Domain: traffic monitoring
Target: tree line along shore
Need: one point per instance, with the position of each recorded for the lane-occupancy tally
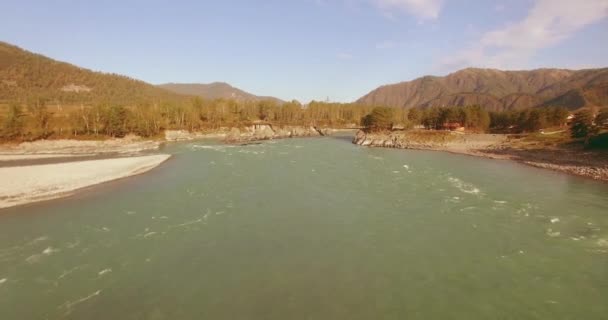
(40, 118)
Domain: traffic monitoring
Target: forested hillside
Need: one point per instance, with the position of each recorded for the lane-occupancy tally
(42, 98)
(25, 75)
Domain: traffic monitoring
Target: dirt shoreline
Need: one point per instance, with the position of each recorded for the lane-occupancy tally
(593, 165)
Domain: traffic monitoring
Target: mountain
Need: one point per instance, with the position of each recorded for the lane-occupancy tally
(498, 90)
(215, 90)
(25, 74)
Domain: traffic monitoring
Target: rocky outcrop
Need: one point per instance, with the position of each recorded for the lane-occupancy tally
(397, 140)
(267, 132)
(428, 140)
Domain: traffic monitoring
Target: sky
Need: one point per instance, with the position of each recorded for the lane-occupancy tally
(309, 49)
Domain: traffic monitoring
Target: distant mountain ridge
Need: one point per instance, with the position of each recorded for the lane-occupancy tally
(24, 74)
(215, 90)
(498, 90)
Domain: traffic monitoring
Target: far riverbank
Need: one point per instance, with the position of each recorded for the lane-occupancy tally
(589, 164)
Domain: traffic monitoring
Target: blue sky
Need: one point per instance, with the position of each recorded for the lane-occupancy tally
(309, 49)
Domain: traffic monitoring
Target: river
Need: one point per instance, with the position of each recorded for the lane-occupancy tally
(313, 229)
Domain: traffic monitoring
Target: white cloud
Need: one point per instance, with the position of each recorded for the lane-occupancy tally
(548, 23)
(423, 9)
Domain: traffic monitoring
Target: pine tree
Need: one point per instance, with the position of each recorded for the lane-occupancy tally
(582, 125)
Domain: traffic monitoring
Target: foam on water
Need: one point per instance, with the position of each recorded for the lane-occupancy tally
(104, 271)
(68, 272)
(149, 234)
(3, 280)
(407, 168)
(49, 251)
(452, 199)
(464, 186)
(34, 258)
(188, 223)
(245, 151)
(11, 251)
(525, 209)
(220, 148)
(70, 304)
(39, 239)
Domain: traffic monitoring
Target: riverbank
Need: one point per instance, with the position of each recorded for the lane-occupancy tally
(27, 184)
(47, 149)
(589, 164)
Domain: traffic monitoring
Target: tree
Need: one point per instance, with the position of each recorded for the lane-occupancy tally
(431, 118)
(380, 119)
(414, 116)
(557, 116)
(41, 115)
(12, 126)
(476, 117)
(115, 121)
(582, 125)
(536, 121)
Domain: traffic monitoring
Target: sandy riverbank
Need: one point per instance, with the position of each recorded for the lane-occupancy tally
(26, 184)
(583, 163)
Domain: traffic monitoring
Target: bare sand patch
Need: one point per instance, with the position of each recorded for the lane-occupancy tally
(26, 184)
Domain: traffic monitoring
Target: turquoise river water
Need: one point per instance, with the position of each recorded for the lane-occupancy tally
(313, 229)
